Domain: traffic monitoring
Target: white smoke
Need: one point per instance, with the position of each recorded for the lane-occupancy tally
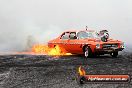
(25, 22)
(21, 40)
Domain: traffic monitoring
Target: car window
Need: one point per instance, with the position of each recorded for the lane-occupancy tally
(65, 36)
(73, 35)
(84, 34)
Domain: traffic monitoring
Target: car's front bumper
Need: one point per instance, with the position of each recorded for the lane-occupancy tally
(107, 50)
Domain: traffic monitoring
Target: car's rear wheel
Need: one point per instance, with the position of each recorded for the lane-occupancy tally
(114, 54)
(87, 52)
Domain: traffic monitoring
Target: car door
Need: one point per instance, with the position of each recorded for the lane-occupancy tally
(73, 43)
(64, 41)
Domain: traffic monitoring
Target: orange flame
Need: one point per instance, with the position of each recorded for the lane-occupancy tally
(81, 71)
(44, 49)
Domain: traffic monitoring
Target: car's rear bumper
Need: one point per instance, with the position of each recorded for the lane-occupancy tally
(108, 50)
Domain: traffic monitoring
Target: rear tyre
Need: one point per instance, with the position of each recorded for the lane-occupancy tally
(114, 54)
(87, 52)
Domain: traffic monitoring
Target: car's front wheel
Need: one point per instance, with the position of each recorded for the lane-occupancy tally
(87, 52)
(114, 54)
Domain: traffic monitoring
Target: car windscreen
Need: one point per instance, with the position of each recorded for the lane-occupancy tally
(84, 34)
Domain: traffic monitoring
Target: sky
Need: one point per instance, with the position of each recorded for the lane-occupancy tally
(27, 21)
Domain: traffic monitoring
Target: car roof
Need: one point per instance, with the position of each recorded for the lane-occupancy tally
(89, 30)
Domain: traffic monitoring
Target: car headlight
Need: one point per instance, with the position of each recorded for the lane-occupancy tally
(122, 45)
(97, 46)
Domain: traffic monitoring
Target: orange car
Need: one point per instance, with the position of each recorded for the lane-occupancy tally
(87, 42)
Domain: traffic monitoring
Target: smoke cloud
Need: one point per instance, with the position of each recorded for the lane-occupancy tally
(26, 22)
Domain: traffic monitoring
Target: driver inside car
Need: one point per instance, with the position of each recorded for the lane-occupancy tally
(73, 36)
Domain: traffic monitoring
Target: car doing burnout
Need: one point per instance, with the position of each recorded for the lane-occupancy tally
(88, 42)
